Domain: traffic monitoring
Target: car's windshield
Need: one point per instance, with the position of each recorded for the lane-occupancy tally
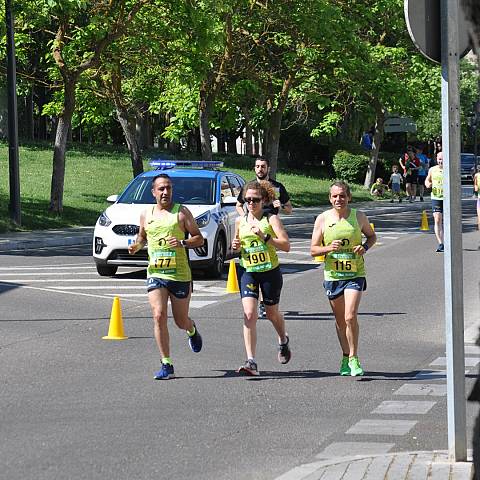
(467, 160)
(188, 191)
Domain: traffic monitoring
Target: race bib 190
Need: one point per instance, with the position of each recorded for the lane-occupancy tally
(257, 259)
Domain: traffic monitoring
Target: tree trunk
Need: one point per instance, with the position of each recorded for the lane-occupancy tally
(129, 131)
(248, 133)
(377, 141)
(232, 142)
(275, 123)
(220, 141)
(143, 129)
(61, 137)
(256, 143)
(205, 108)
(29, 120)
(274, 140)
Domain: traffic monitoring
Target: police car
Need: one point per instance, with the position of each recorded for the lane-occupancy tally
(208, 192)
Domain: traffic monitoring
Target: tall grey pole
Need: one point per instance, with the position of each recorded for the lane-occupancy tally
(453, 262)
(14, 168)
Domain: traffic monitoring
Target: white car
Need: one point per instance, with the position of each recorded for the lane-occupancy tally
(208, 192)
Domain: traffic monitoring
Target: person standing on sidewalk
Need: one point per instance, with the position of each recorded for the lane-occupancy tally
(395, 182)
(258, 236)
(164, 227)
(337, 234)
(434, 181)
(279, 204)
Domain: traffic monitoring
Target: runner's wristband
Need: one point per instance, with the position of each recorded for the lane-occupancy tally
(365, 246)
(267, 238)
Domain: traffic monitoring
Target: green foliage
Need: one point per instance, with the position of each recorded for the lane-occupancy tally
(96, 172)
(350, 167)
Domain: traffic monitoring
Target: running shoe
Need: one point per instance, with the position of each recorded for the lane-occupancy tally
(195, 341)
(250, 368)
(355, 368)
(440, 248)
(284, 352)
(165, 373)
(344, 367)
(261, 310)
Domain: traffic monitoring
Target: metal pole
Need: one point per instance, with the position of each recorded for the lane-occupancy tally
(453, 262)
(13, 160)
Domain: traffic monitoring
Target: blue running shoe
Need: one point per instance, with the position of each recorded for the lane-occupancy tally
(165, 373)
(195, 341)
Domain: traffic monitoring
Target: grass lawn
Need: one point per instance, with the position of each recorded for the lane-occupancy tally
(94, 173)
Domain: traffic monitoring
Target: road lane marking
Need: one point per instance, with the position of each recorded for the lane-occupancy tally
(415, 407)
(381, 427)
(355, 448)
(442, 362)
(422, 389)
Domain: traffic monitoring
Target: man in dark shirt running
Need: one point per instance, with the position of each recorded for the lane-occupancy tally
(281, 204)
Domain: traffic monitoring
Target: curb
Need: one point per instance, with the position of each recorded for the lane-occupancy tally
(307, 470)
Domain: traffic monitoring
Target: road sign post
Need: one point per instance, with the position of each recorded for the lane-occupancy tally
(453, 260)
(438, 29)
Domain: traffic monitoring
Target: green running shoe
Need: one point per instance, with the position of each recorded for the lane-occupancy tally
(355, 368)
(344, 367)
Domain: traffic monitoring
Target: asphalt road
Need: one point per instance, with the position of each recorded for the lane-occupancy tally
(75, 406)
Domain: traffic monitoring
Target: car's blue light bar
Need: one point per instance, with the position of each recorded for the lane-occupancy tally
(167, 164)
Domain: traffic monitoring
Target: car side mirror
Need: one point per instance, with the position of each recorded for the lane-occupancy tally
(229, 201)
(112, 198)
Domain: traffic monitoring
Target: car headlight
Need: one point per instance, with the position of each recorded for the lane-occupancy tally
(203, 220)
(103, 220)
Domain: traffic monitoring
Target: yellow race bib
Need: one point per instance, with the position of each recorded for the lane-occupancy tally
(342, 264)
(257, 259)
(163, 261)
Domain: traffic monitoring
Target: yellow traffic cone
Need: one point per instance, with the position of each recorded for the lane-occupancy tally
(424, 226)
(115, 329)
(232, 281)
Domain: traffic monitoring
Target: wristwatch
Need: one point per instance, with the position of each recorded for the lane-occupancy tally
(183, 243)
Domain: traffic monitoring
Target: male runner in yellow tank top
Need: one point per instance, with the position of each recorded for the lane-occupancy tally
(337, 234)
(434, 181)
(163, 226)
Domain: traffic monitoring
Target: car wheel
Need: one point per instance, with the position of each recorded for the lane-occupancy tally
(216, 269)
(107, 270)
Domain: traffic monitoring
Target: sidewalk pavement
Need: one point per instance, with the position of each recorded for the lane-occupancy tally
(84, 235)
(390, 466)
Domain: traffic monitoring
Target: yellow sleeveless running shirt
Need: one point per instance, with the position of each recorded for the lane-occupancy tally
(164, 261)
(437, 183)
(343, 264)
(256, 255)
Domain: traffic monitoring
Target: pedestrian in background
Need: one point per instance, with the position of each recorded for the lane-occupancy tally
(395, 182)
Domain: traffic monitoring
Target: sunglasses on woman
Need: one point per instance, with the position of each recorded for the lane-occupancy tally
(253, 199)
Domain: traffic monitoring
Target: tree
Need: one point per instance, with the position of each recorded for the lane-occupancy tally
(83, 31)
